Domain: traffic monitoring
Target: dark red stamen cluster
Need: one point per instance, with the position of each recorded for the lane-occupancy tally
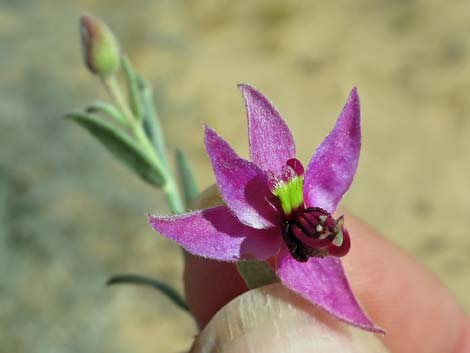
(312, 232)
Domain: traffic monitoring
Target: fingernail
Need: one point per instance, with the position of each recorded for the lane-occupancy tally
(274, 319)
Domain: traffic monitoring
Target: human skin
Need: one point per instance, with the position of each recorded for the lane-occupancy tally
(418, 312)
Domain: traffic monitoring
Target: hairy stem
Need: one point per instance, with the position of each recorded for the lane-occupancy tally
(170, 188)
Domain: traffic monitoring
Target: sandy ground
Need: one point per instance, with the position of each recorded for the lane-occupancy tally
(70, 216)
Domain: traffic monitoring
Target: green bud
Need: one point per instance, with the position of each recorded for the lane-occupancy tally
(100, 48)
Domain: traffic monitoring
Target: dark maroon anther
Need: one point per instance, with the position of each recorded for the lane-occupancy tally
(297, 250)
(296, 165)
(307, 227)
(310, 241)
(317, 215)
(312, 233)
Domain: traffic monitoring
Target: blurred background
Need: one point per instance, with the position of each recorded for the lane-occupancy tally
(71, 216)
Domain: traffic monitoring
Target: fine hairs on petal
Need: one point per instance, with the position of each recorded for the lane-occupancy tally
(331, 169)
(328, 288)
(271, 142)
(256, 222)
(217, 234)
(242, 183)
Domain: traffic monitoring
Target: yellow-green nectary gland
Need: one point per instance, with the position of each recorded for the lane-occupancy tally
(290, 194)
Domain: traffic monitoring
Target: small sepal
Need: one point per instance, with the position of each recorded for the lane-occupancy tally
(256, 273)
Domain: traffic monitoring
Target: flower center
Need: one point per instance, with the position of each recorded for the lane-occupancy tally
(314, 233)
(307, 232)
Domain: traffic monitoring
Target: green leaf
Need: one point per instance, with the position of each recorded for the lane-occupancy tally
(135, 99)
(150, 120)
(122, 146)
(164, 288)
(187, 181)
(108, 110)
(256, 273)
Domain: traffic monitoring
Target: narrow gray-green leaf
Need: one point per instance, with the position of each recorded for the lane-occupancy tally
(108, 110)
(186, 176)
(150, 120)
(122, 146)
(162, 287)
(135, 99)
(256, 273)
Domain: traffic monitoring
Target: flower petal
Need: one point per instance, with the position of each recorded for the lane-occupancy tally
(323, 282)
(271, 142)
(217, 234)
(332, 167)
(242, 184)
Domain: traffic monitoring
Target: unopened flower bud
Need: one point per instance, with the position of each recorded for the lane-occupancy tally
(100, 48)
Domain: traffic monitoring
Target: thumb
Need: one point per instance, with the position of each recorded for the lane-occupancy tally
(274, 319)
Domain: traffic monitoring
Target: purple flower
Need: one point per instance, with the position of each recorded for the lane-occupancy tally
(274, 209)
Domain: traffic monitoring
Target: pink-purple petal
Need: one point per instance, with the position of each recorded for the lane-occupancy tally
(271, 142)
(332, 167)
(323, 282)
(217, 234)
(243, 185)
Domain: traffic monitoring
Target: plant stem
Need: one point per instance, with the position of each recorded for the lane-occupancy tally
(169, 188)
(114, 91)
(173, 197)
(158, 139)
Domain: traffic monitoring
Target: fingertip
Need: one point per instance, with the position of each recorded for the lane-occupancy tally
(274, 319)
(209, 285)
(463, 346)
(401, 295)
(395, 290)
